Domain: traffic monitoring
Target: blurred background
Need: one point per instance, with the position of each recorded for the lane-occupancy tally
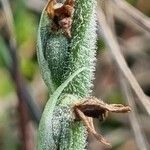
(23, 93)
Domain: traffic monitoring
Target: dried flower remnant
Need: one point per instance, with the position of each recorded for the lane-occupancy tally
(91, 108)
(61, 14)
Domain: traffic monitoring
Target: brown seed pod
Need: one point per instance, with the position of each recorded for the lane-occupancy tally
(91, 108)
(61, 14)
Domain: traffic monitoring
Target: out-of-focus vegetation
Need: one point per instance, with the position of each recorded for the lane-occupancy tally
(26, 21)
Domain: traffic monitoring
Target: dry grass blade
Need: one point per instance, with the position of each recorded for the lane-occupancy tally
(138, 134)
(114, 48)
(136, 16)
(9, 21)
(127, 93)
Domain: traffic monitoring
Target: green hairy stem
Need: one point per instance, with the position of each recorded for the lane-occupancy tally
(46, 139)
(67, 67)
(82, 47)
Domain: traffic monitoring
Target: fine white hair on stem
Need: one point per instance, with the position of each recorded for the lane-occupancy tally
(114, 48)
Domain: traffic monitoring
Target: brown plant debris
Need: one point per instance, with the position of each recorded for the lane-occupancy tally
(61, 14)
(91, 108)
